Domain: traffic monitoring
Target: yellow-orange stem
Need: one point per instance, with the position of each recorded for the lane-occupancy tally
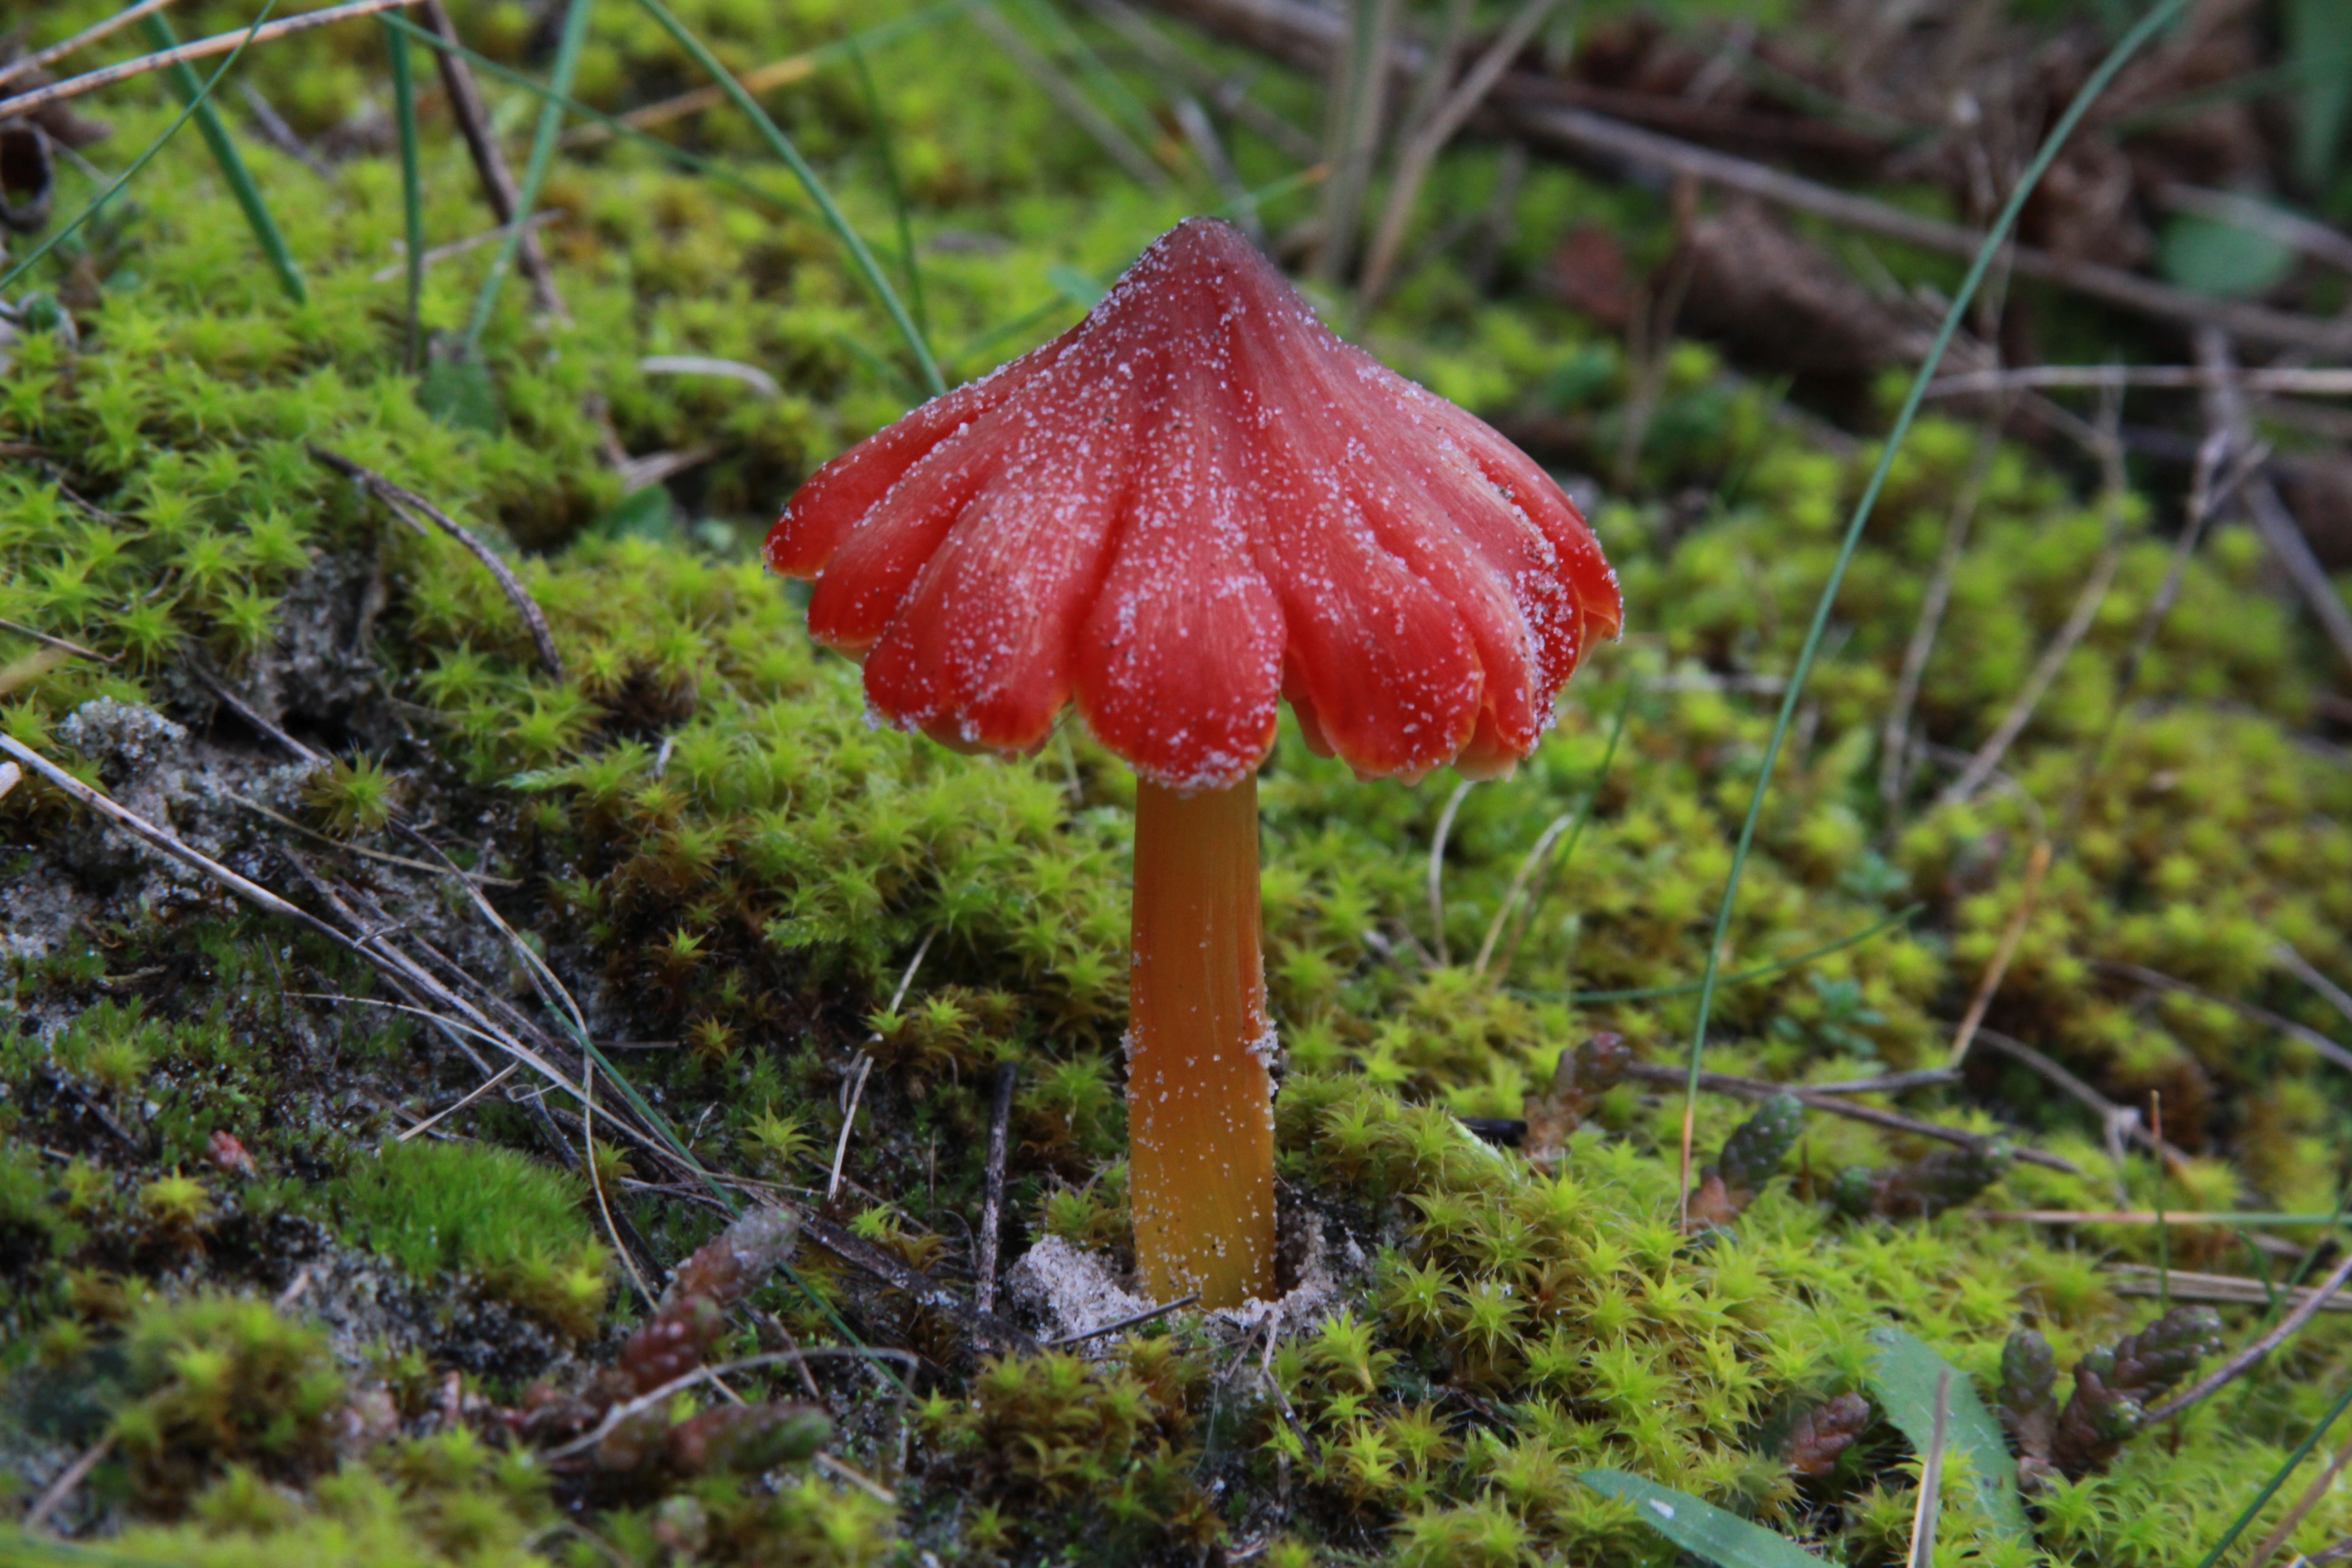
(1200, 1100)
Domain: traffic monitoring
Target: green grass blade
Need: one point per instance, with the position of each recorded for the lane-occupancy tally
(2128, 46)
(715, 173)
(266, 231)
(909, 263)
(146, 156)
(2279, 1478)
(412, 194)
(782, 144)
(542, 154)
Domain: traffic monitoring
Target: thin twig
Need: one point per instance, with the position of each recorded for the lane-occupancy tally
(40, 97)
(2227, 1289)
(169, 844)
(2214, 1380)
(2310, 1037)
(380, 856)
(460, 247)
(473, 118)
(1147, 1315)
(913, 1283)
(2107, 1110)
(1437, 869)
(1420, 154)
(81, 40)
(2304, 971)
(1931, 1478)
(991, 1202)
(409, 506)
(60, 643)
(2282, 379)
(1816, 1100)
(60, 1490)
(1893, 737)
(253, 716)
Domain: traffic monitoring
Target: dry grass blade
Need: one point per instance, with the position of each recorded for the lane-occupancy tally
(1931, 1478)
(409, 507)
(2037, 865)
(2114, 489)
(1071, 98)
(1437, 869)
(1358, 96)
(26, 103)
(653, 1399)
(60, 1490)
(1419, 155)
(2310, 1037)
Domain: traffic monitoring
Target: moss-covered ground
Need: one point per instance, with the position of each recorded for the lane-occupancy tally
(288, 1321)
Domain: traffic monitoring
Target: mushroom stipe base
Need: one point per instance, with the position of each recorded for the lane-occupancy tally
(1200, 1097)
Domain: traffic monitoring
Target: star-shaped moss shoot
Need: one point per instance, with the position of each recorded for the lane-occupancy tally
(1194, 504)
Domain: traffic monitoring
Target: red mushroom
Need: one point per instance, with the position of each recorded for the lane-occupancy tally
(1195, 503)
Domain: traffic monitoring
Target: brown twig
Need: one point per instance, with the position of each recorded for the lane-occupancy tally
(2224, 1289)
(991, 1202)
(2308, 973)
(1527, 105)
(62, 1489)
(473, 118)
(2107, 1110)
(1814, 1099)
(2214, 1380)
(81, 40)
(40, 97)
(2182, 377)
(408, 505)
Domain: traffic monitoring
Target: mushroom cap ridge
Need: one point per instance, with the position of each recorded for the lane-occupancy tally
(1193, 502)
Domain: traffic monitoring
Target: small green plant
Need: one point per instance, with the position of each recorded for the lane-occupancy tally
(351, 795)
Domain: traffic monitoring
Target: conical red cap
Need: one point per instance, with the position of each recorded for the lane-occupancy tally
(1196, 500)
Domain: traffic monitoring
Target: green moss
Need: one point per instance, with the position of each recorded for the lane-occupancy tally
(514, 1226)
